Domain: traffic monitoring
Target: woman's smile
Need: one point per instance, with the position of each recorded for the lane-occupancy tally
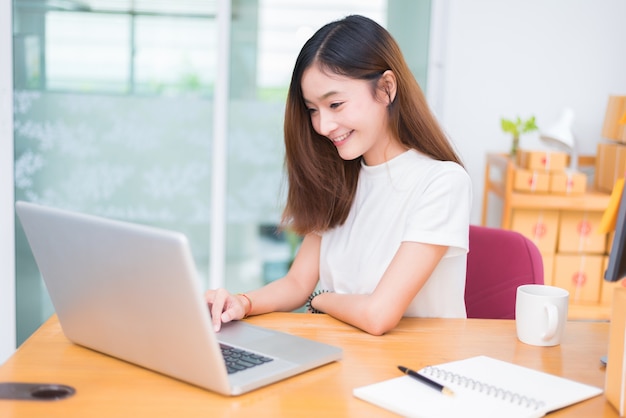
(341, 139)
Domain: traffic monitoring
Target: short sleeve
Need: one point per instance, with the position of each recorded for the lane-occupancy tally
(440, 208)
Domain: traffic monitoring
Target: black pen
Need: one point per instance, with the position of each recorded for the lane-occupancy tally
(425, 380)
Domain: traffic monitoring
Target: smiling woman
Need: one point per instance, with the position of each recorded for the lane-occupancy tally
(374, 186)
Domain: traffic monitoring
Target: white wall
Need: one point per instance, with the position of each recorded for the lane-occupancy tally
(527, 57)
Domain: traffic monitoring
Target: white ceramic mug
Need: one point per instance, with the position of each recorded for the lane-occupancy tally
(541, 314)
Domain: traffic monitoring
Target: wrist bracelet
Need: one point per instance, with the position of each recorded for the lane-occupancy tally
(309, 306)
(247, 311)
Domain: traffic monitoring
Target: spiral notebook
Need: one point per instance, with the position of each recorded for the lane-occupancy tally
(483, 387)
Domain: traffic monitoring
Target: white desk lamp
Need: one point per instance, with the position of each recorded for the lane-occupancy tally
(560, 135)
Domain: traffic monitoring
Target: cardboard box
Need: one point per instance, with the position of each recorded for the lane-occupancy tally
(531, 181)
(542, 160)
(607, 288)
(580, 274)
(568, 182)
(548, 268)
(610, 165)
(615, 110)
(540, 226)
(615, 386)
(578, 233)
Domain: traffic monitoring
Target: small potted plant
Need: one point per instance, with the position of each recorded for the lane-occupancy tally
(517, 127)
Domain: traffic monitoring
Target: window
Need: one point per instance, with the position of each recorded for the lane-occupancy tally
(121, 47)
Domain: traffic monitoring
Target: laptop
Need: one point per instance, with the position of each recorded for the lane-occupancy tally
(132, 292)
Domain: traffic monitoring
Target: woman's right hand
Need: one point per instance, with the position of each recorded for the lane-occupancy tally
(226, 307)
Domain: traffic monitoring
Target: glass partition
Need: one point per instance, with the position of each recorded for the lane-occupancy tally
(113, 116)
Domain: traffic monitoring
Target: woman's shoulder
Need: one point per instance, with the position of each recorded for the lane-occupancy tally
(437, 175)
(422, 161)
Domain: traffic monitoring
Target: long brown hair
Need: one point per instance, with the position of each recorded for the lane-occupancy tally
(321, 184)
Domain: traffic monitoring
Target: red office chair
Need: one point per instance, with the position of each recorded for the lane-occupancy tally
(498, 262)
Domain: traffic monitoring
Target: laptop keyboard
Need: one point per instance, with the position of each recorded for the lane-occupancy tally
(237, 359)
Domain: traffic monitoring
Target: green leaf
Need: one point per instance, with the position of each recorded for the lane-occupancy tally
(508, 126)
(518, 126)
(530, 125)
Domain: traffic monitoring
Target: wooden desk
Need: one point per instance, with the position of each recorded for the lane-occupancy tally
(106, 387)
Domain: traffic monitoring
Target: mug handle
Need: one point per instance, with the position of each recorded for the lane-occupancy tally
(553, 321)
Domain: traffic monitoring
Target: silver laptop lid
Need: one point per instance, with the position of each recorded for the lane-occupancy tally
(110, 284)
(132, 292)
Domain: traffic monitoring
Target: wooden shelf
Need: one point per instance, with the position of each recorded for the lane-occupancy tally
(502, 187)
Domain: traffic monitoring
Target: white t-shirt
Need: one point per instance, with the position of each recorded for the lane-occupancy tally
(409, 198)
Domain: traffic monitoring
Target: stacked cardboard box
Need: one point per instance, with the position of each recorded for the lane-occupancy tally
(541, 227)
(610, 165)
(611, 158)
(614, 128)
(580, 257)
(546, 172)
(573, 250)
(606, 294)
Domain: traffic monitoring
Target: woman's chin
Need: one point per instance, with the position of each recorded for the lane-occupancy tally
(349, 156)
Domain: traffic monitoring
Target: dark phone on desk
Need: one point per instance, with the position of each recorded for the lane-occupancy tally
(35, 391)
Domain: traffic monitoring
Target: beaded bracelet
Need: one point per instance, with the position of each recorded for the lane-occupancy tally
(309, 306)
(245, 315)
